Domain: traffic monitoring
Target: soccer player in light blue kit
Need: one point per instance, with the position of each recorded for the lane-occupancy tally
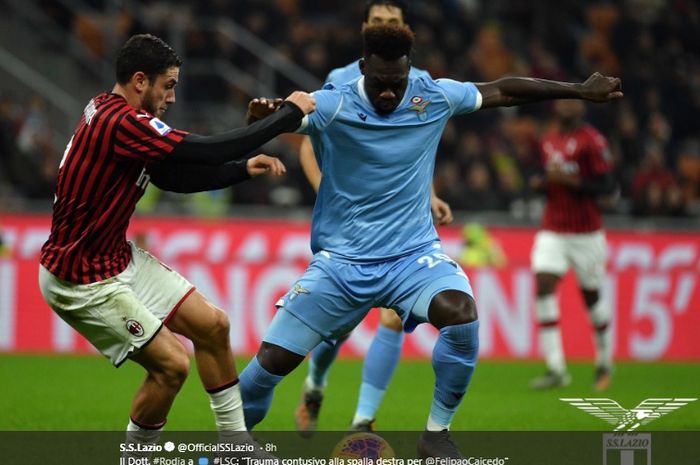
(385, 350)
(372, 235)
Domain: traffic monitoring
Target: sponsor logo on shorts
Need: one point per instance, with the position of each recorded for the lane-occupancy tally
(134, 327)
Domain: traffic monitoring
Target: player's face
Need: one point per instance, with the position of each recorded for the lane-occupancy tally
(385, 14)
(160, 93)
(385, 81)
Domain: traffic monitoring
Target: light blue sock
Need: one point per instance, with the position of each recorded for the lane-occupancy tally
(257, 387)
(454, 359)
(380, 363)
(322, 357)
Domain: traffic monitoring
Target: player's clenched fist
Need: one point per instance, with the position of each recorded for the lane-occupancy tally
(262, 164)
(599, 88)
(303, 100)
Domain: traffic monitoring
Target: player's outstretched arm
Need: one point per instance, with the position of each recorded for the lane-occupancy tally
(187, 178)
(229, 146)
(510, 91)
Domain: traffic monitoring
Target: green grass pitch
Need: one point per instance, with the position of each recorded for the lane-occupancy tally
(87, 393)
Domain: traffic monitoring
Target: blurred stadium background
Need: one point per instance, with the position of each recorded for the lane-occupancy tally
(244, 246)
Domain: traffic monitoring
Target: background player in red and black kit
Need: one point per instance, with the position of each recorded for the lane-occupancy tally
(577, 172)
(124, 301)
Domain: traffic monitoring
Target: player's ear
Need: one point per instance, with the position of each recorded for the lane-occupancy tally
(362, 65)
(140, 80)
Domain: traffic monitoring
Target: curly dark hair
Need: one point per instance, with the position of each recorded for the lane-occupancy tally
(400, 4)
(388, 42)
(146, 53)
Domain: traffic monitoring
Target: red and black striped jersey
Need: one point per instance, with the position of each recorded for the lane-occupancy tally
(101, 177)
(583, 151)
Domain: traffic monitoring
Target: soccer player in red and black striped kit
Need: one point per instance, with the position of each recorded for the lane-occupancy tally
(577, 173)
(124, 301)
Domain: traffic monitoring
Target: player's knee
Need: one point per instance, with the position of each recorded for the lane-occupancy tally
(389, 319)
(278, 360)
(449, 308)
(220, 326)
(212, 330)
(174, 373)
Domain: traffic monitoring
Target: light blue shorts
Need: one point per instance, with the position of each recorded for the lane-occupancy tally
(333, 296)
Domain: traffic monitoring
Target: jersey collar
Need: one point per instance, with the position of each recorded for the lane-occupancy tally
(363, 94)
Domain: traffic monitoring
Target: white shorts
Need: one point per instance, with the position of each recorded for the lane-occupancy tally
(122, 314)
(555, 253)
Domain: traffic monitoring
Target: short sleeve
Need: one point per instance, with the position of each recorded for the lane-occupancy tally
(599, 154)
(145, 137)
(462, 97)
(328, 103)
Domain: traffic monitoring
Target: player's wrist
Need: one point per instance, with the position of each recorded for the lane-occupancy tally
(292, 107)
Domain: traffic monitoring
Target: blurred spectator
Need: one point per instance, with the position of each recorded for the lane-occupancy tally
(655, 190)
(689, 170)
(484, 158)
(33, 162)
(480, 248)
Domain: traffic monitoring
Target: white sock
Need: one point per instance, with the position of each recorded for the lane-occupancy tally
(228, 409)
(601, 319)
(135, 434)
(550, 335)
(435, 426)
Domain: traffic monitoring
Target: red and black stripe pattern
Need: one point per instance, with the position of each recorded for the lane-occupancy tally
(101, 177)
(583, 151)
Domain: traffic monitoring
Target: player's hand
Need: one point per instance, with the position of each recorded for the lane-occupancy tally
(557, 176)
(264, 164)
(442, 213)
(306, 102)
(259, 108)
(599, 88)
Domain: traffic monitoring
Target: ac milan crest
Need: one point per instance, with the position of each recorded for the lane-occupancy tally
(134, 327)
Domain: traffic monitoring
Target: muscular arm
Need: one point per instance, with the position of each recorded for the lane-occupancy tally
(228, 146)
(307, 158)
(187, 177)
(510, 91)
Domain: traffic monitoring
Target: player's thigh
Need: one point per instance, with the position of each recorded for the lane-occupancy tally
(423, 276)
(198, 319)
(291, 333)
(588, 253)
(327, 299)
(164, 353)
(107, 313)
(549, 254)
(161, 289)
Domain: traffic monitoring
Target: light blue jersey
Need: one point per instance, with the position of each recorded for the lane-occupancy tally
(351, 72)
(373, 204)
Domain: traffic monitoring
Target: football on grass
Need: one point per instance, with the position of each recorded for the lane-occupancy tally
(359, 445)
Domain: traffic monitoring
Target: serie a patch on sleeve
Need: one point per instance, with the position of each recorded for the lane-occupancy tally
(160, 127)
